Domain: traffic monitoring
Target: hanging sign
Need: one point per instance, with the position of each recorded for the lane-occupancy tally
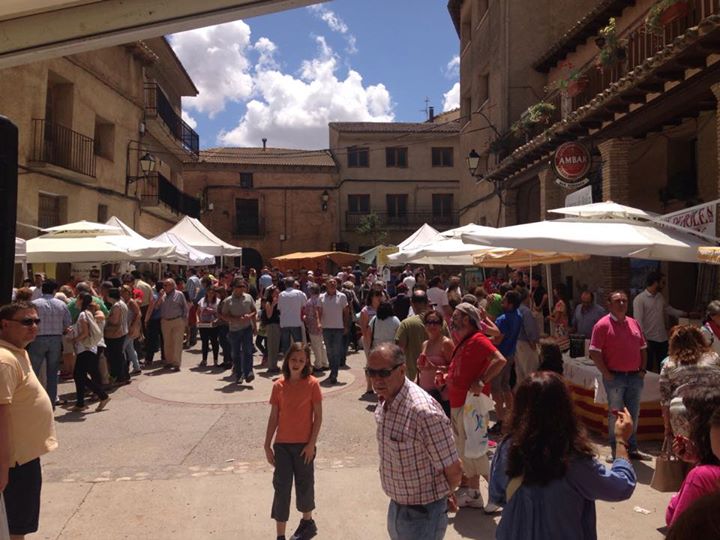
(571, 163)
(699, 218)
(579, 197)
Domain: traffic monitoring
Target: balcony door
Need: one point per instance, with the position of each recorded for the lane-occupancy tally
(397, 206)
(442, 208)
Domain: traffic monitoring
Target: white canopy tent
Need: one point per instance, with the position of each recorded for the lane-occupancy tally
(422, 236)
(92, 242)
(195, 234)
(184, 254)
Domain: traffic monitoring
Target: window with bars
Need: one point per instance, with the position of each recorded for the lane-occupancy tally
(49, 211)
(246, 180)
(358, 156)
(396, 156)
(247, 217)
(442, 156)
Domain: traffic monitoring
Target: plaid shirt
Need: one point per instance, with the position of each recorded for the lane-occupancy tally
(416, 443)
(54, 315)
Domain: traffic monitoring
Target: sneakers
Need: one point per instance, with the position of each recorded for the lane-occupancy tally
(306, 530)
(469, 498)
(491, 508)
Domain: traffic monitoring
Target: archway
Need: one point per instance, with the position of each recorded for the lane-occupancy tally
(251, 258)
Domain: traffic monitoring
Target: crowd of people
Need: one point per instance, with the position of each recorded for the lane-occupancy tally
(429, 347)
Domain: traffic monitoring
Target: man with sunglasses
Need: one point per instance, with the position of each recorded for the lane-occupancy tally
(419, 464)
(27, 428)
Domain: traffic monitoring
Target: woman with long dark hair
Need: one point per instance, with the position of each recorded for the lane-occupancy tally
(552, 479)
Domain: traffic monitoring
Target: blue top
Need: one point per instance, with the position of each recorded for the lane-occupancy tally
(585, 320)
(529, 330)
(509, 324)
(564, 509)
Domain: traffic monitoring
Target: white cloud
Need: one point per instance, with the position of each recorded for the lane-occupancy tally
(336, 24)
(189, 120)
(293, 111)
(451, 98)
(216, 58)
(452, 69)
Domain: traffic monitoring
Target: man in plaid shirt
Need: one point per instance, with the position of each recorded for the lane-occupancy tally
(419, 463)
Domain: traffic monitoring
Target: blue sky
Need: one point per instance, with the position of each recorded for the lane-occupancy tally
(285, 76)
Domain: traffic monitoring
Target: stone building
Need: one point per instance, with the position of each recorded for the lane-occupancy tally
(84, 123)
(638, 91)
(406, 174)
(271, 201)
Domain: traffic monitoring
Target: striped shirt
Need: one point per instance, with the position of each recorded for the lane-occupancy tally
(53, 314)
(416, 443)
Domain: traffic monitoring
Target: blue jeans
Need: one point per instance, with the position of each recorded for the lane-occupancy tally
(624, 391)
(335, 346)
(426, 521)
(131, 353)
(46, 350)
(294, 332)
(241, 345)
(224, 340)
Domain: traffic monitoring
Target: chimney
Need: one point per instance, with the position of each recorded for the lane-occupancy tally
(431, 114)
(264, 140)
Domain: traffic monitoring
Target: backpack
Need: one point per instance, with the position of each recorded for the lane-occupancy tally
(95, 335)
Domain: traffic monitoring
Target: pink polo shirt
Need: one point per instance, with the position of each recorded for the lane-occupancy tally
(620, 343)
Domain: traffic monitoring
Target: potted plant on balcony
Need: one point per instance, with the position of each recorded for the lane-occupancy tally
(664, 12)
(535, 116)
(571, 85)
(612, 49)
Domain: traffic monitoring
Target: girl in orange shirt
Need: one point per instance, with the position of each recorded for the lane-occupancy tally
(294, 422)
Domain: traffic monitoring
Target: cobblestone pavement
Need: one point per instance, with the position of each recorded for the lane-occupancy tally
(179, 455)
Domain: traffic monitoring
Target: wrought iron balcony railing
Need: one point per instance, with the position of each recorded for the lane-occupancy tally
(61, 146)
(157, 104)
(407, 220)
(157, 189)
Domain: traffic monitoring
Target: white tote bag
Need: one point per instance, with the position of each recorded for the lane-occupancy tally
(4, 531)
(476, 414)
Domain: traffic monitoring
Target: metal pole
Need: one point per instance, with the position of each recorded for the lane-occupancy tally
(8, 205)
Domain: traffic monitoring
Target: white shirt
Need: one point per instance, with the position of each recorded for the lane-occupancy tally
(290, 304)
(650, 310)
(332, 307)
(409, 282)
(36, 293)
(437, 297)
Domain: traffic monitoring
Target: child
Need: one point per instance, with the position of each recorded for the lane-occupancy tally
(295, 420)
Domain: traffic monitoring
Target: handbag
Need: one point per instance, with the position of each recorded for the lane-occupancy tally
(670, 470)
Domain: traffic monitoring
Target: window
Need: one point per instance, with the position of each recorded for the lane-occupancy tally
(104, 138)
(359, 204)
(397, 208)
(442, 156)
(442, 205)
(50, 210)
(396, 156)
(246, 180)
(247, 217)
(102, 214)
(358, 157)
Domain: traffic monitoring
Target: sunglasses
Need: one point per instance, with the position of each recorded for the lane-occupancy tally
(28, 321)
(380, 373)
(433, 323)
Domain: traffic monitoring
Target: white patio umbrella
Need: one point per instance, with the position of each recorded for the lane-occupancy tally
(603, 237)
(605, 210)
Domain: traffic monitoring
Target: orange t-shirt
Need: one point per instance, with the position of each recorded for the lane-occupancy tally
(295, 402)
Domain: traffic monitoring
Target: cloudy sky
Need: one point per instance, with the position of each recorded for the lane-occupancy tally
(285, 76)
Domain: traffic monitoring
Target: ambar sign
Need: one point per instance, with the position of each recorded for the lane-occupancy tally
(572, 161)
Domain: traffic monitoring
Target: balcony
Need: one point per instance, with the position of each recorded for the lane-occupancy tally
(640, 44)
(158, 105)
(157, 191)
(60, 146)
(408, 220)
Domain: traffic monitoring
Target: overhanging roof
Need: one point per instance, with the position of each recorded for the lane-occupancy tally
(33, 30)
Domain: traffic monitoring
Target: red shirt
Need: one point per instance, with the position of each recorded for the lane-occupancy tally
(469, 362)
(620, 343)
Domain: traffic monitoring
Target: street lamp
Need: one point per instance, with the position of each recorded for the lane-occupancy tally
(325, 197)
(148, 163)
(473, 161)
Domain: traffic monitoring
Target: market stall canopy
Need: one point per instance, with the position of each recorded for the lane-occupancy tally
(310, 259)
(166, 251)
(369, 256)
(422, 236)
(86, 241)
(445, 248)
(195, 234)
(185, 254)
(603, 237)
(502, 257)
(20, 251)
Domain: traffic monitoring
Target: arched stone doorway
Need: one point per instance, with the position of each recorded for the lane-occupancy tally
(251, 258)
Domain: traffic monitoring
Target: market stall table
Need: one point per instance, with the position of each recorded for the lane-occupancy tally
(588, 394)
